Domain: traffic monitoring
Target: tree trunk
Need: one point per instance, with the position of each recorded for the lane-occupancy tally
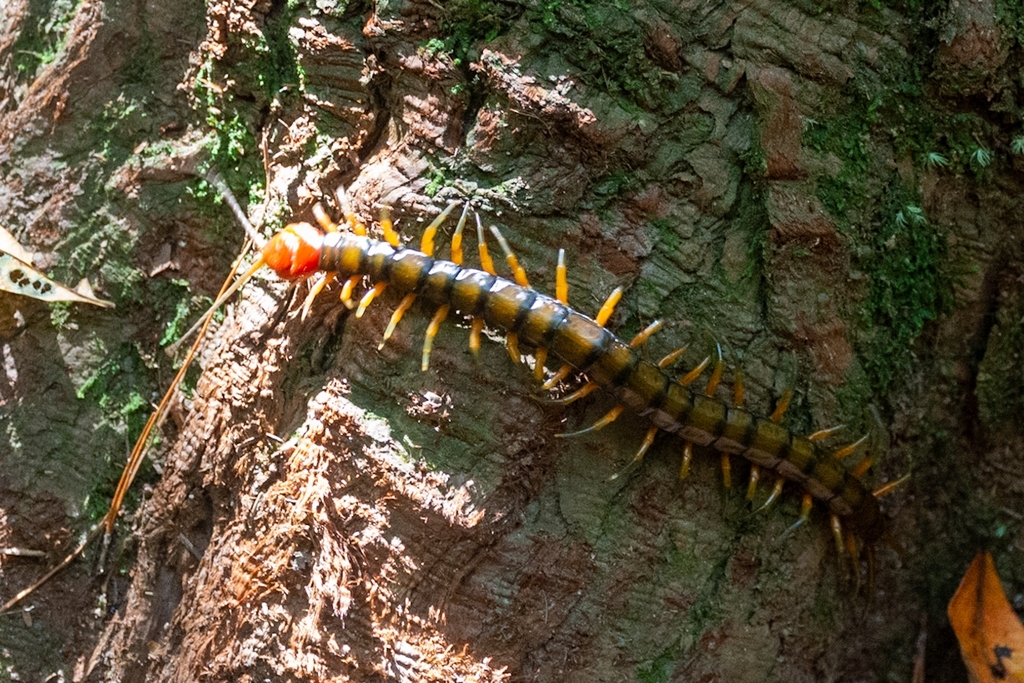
(829, 192)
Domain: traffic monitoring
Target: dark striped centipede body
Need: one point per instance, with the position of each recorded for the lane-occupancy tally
(544, 322)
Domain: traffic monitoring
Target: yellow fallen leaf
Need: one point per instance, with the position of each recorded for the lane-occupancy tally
(990, 634)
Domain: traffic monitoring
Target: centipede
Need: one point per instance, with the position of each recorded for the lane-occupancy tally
(573, 343)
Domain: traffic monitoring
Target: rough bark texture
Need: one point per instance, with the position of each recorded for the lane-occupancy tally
(830, 190)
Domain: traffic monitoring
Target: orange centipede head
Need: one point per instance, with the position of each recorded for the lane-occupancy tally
(294, 252)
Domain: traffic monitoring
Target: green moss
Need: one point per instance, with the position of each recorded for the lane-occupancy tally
(846, 136)
(660, 669)
(602, 39)
(41, 36)
(909, 285)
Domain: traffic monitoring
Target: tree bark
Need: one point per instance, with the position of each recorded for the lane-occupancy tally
(829, 192)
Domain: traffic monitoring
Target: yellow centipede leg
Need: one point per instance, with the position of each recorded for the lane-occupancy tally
(862, 467)
(540, 358)
(457, 236)
(726, 470)
(553, 381)
(782, 406)
(315, 290)
(690, 377)
(475, 328)
(486, 262)
(824, 433)
(586, 390)
(605, 314)
(709, 390)
(427, 241)
(886, 489)
(608, 418)
(517, 270)
(648, 440)
(673, 357)
(323, 219)
(755, 476)
(428, 339)
(561, 279)
(390, 236)
(562, 295)
(806, 503)
(396, 317)
(684, 466)
(850, 449)
(369, 297)
(348, 288)
(512, 344)
(775, 493)
(646, 334)
(837, 534)
(346, 210)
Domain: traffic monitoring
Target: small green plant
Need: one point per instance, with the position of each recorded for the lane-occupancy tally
(935, 160)
(1017, 145)
(981, 157)
(910, 215)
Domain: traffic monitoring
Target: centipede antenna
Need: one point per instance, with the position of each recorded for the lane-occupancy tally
(638, 458)
(646, 334)
(774, 495)
(806, 503)
(346, 210)
(215, 179)
(886, 489)
(131, 468)
(825, 433)
(348, 288)
(457, 236)
(368, 298)
(427, 241)
(684, 466)
(672, 357)
(540, 357)
(323, 219)
(314, 290)
(608, 307)
(561, 279)
(518, 272)
(428, 339)
(390, 236)
(486, 262)
(172, 349)
(396, 317)
(475, 328)
(608, 418)
(584, 391)
(850, 449)
(782, 406)
(689, 378)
